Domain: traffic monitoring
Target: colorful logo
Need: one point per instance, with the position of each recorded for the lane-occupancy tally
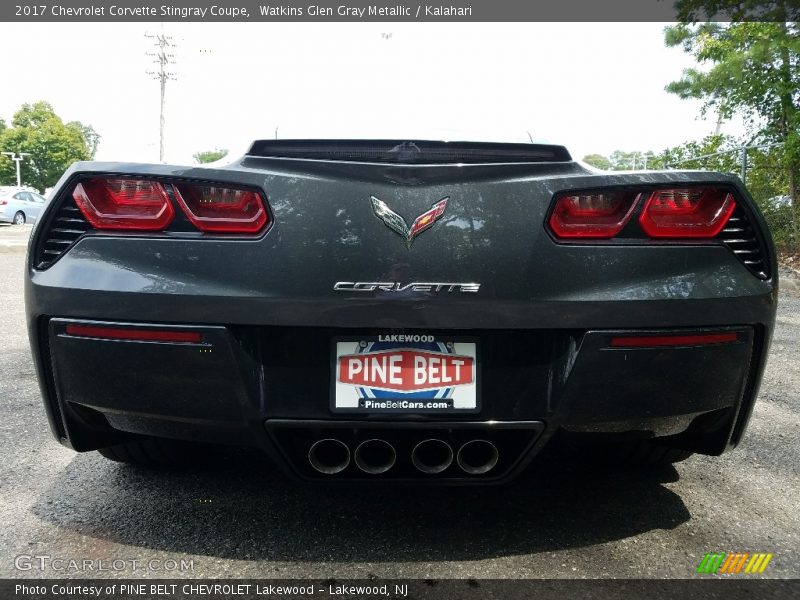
(398, 224)
(734, 562)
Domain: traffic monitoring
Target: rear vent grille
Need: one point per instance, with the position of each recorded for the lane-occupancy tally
(410, 152)
(63, 231)
(743, 241)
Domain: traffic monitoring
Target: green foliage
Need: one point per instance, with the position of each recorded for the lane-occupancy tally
(766, 173)
(748, 68)
(598, 161)
(712, 153)
(209, 155)
(7, 168)
(780, 220)
(53, 145)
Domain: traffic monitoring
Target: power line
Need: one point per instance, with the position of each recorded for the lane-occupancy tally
(742, 150)
(164, 59)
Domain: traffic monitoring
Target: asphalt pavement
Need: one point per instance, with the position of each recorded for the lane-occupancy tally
(239, 517)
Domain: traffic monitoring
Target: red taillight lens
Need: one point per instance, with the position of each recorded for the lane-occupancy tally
(221, 209)
(135, 335)
(592, 215)
(133, 204)
(686, 212)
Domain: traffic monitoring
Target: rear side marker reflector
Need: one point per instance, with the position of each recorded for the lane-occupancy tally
(124, 204)
(700, 339)
(143, 335)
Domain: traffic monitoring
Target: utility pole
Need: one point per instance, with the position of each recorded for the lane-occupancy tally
(17, 158)
(163, 58)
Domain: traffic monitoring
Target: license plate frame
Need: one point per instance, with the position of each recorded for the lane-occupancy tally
(463, 398)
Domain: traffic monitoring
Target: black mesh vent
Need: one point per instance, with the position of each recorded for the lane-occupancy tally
(409, 152)
(743, 241)
(63, 230)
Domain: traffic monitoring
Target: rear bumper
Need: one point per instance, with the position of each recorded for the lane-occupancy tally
(269, 387)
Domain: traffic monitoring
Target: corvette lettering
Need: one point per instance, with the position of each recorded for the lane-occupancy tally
(389, 286)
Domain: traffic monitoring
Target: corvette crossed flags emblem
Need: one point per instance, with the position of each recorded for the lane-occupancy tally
(397, 224)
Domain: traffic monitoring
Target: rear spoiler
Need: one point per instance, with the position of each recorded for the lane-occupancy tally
(409, 152)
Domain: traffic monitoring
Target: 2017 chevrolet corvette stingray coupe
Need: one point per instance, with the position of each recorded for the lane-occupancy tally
(398, 310)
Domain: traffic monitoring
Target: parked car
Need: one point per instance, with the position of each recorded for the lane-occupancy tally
(371, 310)
(20, 206)
(779, 201)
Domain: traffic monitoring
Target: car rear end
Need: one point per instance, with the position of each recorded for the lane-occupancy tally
(493, 297)
(7, 205)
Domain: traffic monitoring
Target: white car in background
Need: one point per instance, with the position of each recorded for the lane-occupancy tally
(20, 206)
(778, 201)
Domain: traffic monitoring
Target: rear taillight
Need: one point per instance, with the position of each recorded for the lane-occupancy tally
(686, 212)
(129, 204)
(145, 205)
(221, 209)
(669, 213)
(592, 215)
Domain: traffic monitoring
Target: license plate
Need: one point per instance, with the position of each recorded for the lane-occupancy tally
(405, 374)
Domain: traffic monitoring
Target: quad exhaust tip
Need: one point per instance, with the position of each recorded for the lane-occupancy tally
(477, 457)
(432, 456)
(375, 456)
(329, 456)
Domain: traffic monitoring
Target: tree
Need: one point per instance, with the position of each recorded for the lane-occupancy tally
(91, 137)
(209, 155)
(712, 153)
(598, 161)
(621, 160)
(751, 68)
(52, 145)
(6, 165)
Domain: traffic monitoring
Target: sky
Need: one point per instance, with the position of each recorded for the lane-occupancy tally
(593, 87)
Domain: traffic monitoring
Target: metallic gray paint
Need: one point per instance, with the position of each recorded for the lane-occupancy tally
(325, 231)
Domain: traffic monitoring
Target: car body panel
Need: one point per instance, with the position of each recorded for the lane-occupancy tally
(269, 307)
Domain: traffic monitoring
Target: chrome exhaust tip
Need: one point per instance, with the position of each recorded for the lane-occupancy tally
(432, 456)
(477, 457)
(329, 456)
(375, 456)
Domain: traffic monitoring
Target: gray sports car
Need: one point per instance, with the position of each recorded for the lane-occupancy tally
(404, 311)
